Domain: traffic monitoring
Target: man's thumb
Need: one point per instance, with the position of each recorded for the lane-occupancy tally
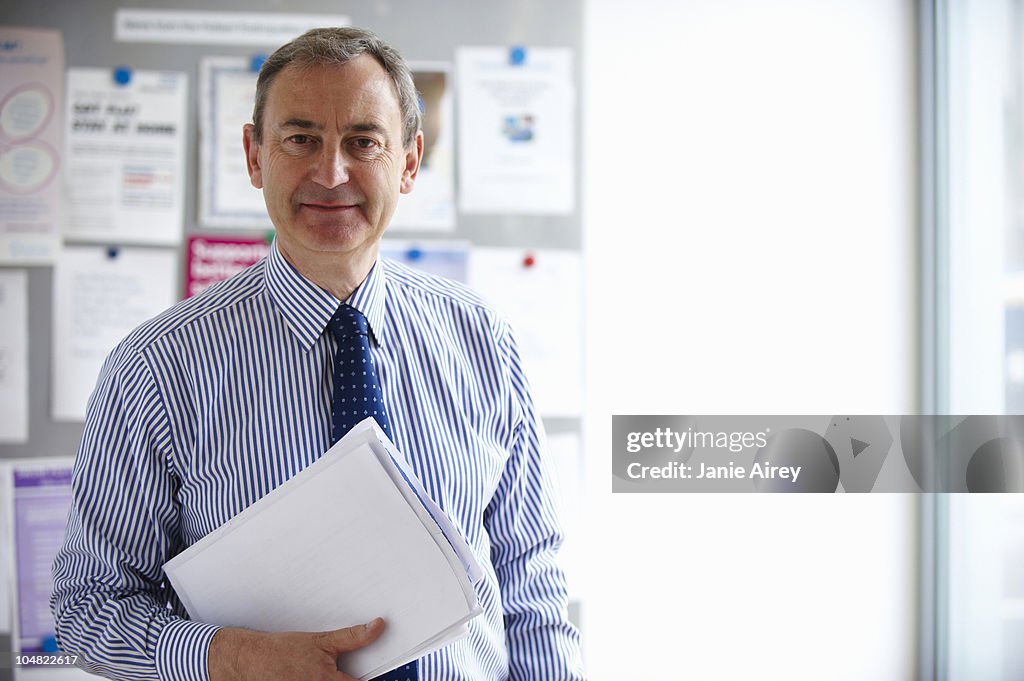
(353, 638)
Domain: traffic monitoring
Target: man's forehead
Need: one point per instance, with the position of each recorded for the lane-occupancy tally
(356, 77)
(360, 86)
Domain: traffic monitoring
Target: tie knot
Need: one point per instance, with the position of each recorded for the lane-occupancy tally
(347, 322)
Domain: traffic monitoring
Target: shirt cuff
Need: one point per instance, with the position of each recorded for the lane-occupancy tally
(182, 651)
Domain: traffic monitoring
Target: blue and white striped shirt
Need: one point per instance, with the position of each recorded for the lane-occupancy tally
(211, 405)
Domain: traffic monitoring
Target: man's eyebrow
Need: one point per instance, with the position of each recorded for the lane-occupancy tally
(366, 127)
(304, 124)
(301, 123)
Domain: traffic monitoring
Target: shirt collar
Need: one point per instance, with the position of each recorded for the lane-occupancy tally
(369, 298)
(307, 308)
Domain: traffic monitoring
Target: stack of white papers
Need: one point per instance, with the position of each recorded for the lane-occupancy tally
(350, 538)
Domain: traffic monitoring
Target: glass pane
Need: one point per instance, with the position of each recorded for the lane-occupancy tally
(984, 56)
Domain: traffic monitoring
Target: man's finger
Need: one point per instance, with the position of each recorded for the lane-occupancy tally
(350, 638)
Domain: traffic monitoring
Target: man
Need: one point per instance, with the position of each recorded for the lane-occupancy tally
(208, 407)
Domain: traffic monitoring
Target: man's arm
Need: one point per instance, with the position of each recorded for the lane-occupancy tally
(110, 597)
(525, 538)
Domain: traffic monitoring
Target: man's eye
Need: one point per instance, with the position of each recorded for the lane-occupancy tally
(299, 139)
(365, 143)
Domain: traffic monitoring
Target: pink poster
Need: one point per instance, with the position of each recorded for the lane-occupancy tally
(213, 259)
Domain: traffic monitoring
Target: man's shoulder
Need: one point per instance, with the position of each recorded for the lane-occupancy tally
(439, 302)
(222, 298)
(417, 284)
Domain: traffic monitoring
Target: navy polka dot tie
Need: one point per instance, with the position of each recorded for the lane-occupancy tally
(357, 395)
(357, 392)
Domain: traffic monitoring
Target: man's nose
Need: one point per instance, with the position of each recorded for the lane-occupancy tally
(331, 168)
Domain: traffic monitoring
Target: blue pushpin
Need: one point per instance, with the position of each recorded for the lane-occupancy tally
(122, 75)
(49, 644)
(256, 62)
(517, 55)
(414, 254)
(113, 252)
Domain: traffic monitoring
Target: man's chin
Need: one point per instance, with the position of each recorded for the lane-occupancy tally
(341, 239)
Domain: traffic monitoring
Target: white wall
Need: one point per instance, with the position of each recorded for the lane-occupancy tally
(749, 218)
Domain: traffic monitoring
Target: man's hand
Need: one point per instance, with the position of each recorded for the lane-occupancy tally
(244, 655)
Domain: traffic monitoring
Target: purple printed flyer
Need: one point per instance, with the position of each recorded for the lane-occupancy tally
(41, 495)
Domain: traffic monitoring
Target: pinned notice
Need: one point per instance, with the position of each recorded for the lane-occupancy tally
(31, 94)
(216, 28)
(227, 88)
(516, 132)
(99, 297)
(125, 155)
(213, 259)
(14, 356)
(431, 203)
(540, 293)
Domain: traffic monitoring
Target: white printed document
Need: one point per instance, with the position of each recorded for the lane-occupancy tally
(13, 358)
(125, 156)
(350, 538)
(516, 130)
(444, 258)
(431, 203)
(99, 296)
(540, 293)
(31, 97)
(227, 88)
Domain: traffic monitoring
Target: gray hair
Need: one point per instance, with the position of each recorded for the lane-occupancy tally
(324, 46)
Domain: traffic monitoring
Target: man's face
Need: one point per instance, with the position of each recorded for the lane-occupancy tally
(331, 162)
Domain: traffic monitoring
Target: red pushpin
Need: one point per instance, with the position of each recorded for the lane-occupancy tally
(529, 260)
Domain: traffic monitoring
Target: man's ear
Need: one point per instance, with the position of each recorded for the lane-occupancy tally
(413, 157)
(252, 155)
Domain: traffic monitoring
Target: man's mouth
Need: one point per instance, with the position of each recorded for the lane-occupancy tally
(329, 208)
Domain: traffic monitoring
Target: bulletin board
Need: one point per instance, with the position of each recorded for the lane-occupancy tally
(499, 239)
